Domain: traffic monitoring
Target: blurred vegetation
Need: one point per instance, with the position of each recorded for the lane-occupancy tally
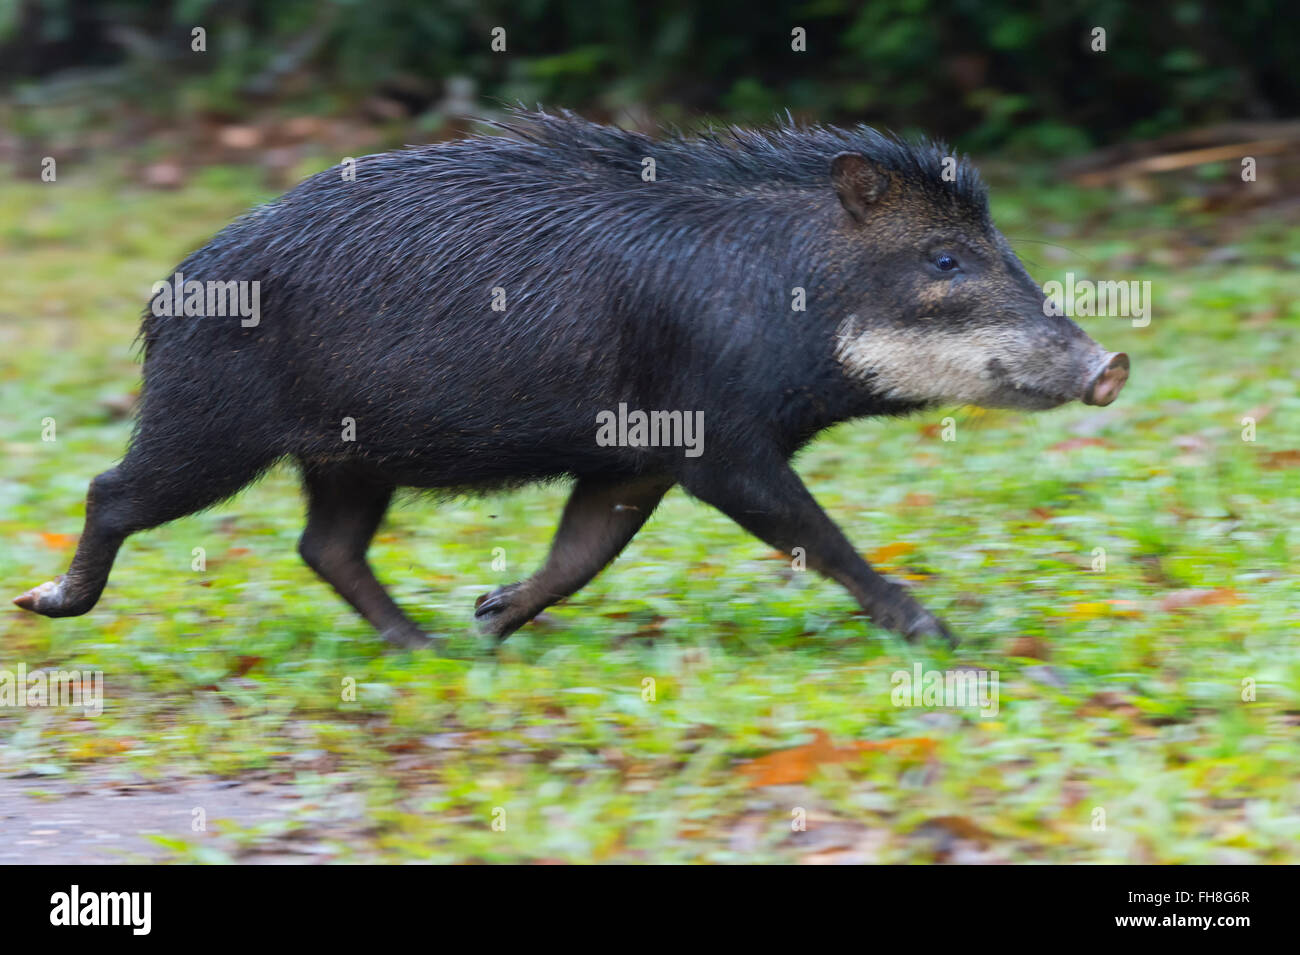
(992, 73)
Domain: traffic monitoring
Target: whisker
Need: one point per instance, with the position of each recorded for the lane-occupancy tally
(1056, 245)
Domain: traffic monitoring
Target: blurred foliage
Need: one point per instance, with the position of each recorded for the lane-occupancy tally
(989, 72)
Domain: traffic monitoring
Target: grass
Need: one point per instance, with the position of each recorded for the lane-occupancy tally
(1121, 689)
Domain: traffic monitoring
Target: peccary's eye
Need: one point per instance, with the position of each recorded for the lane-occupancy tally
(945, 262)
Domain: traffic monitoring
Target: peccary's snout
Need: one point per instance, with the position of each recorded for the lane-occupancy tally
(1107, 380)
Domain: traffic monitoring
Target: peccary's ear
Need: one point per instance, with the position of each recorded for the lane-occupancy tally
(858, 182)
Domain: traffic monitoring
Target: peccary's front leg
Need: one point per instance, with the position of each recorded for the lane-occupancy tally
(763, 494)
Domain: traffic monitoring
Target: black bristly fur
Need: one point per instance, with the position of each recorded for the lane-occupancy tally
(671, 294)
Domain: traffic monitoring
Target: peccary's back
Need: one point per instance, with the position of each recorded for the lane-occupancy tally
(377, 298)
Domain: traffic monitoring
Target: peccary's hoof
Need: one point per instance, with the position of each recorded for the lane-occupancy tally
(928, 626)
(410, 638)
(48, 599)
(494, 602)
(495, 614)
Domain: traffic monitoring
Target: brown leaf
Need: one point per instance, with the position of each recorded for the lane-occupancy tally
(1181, 599)
(58, 541)
(245, 663)
(958, 826)
(796, 765)
(1030, 647)
(883, 555)
(1276, 460)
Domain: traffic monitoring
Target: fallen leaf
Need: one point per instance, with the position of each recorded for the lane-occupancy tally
(58, 541)
(1030, 647)
(883, 555)
(790, 766)
(1181, 599)
(1276, 460)
(958, 826)
(245, 663)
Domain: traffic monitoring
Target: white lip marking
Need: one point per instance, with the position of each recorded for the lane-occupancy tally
(910, 364)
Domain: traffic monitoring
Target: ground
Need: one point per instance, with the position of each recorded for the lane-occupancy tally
(1128, 573)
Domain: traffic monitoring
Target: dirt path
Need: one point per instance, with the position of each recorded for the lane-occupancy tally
(103, 823)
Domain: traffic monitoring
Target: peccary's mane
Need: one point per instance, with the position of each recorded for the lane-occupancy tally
(732, 157)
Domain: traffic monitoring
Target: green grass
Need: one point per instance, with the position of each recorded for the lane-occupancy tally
(1137, 709)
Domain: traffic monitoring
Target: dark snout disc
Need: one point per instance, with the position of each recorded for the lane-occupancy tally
(1106, 384)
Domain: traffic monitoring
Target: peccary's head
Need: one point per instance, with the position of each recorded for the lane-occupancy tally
(942, 310)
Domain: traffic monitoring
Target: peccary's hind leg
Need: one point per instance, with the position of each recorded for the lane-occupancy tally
(78, 590)
(343, 511)
(152, 485)
(599, 519)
